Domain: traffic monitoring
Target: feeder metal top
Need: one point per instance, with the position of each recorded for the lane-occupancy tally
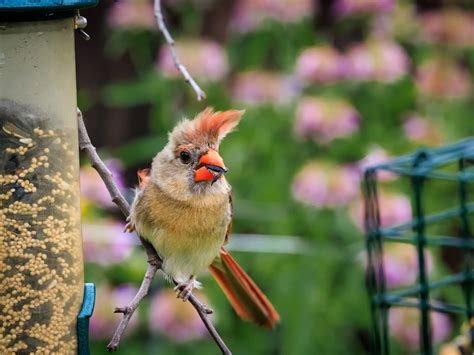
(42, 6)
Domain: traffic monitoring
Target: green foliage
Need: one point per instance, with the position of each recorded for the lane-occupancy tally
(321, 295)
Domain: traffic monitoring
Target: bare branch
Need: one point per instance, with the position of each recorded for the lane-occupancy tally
(182, 69)
(132, 306)
(154, 261)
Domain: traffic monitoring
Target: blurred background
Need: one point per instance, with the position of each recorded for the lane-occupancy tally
(329, 87)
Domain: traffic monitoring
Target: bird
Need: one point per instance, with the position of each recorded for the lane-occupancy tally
(183, 207)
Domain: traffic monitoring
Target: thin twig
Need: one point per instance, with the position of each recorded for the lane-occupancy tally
(154, 261)
(132, 306)
(184, 72)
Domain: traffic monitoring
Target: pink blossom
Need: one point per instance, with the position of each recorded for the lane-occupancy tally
(401, 23)
(92, 186)
(377, 59)
(401, 264)
(375, 156)
(319, 65)
(175, 319)
(440, 77)
(106, 242)
(104, 320)
(404, 324)
(324, 120)
(256, 87)
(205, 60)
(394, 209)
(249, 14)
(422, 131)
(322, 184)
(450, 26)
(352, 7)
(131, 14)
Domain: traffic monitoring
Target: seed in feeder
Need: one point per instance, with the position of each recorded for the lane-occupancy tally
(39, 249)
(26, 140)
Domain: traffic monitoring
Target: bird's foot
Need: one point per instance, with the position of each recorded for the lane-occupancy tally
(129, 227)
(185, 288)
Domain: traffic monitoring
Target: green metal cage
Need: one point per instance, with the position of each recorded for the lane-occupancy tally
(441, 177)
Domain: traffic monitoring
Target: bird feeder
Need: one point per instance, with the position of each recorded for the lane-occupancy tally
(43, 305)
(441, 183)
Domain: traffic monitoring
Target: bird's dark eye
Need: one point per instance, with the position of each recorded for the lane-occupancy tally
(185, 156)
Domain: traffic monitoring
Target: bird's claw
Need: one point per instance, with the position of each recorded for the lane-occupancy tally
(129, 227)
(185, 289)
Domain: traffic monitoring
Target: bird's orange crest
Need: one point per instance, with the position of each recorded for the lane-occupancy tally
(216, 125)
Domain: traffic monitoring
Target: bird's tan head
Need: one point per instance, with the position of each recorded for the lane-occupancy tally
(190, 163)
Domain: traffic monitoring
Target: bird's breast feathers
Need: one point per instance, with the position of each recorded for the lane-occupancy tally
(188, 236)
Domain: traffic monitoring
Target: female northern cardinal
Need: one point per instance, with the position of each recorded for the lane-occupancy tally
(183, 208)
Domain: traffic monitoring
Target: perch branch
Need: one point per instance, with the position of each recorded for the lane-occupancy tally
(170, 41)
(132, 306)
(154, 261)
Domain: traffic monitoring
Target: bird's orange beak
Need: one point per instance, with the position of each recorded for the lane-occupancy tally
(210, 168)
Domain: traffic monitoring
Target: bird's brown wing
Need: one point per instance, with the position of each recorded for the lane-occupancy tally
(229, 227)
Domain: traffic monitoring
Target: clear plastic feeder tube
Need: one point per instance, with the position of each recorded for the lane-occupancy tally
(41, 266)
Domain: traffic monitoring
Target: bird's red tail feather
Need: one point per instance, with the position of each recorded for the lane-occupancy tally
(246, 298)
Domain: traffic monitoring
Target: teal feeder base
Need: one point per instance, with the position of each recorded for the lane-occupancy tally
(83, 319)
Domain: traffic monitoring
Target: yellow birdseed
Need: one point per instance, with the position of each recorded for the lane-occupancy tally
(41, 267)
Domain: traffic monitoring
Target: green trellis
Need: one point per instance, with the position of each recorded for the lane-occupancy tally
(453, 164)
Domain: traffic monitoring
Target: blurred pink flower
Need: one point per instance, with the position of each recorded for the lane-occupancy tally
(401, 264)
(104, 320)
(394, 209)
(375, 156)
(402, 23)
(422, 131)
(249, 14)
(92, 186)
(448, 27)
(351, 7)
(319, 65)
(404, 324)
(377, 59)
(175, 319)
(206, 60)
(106, 242)
(256, 87)
(325, 119)
(322, 184)
(443, 78)
(131, 14)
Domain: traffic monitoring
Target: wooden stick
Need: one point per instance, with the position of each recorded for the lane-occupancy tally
(170, 41)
